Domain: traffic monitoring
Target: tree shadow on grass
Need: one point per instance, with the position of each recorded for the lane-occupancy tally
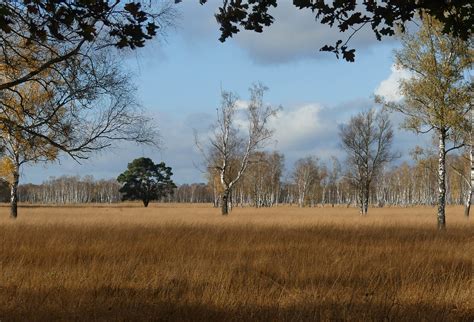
(118, 304)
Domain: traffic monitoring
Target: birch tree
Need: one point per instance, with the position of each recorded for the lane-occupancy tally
(20, 147)
(260, 185)
(334, 184)
(70, 189)
(305, 175)
(230, 147)
(437, 98)
(367, 140)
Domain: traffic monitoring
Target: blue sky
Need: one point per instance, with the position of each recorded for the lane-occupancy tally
(179, 81)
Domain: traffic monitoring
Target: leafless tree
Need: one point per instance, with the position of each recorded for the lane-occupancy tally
(230, 147)
(66, 50)
(305, 175)
(88, 105)
(334, 175)
(82, 108)
(367, 140)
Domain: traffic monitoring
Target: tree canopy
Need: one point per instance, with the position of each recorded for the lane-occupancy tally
(367, 139)
(81, 105)
(229, 152)
(126, 22)
(62, 30)
(19, 146)
(383, 17)
(438, 95)
(146, 181)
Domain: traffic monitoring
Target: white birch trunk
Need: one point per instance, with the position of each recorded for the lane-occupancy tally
(14, 193)
(442, 181)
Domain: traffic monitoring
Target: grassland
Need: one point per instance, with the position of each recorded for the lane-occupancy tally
(181, 263)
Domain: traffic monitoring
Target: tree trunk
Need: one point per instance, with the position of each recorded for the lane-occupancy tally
(216, 196)
(366, 198)
(225, 202)
(361, 200)
(469, 199)
(146, 202)
(366, 202)
(442, 181)
(467, 206)
(14, 194)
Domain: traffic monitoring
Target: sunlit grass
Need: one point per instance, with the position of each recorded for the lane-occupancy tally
(186, 262)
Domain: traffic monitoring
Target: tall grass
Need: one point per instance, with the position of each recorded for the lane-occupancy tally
(186, 263)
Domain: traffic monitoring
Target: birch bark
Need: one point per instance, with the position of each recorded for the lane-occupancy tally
(442, 180)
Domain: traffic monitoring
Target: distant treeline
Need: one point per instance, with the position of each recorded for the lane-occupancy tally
(76, 189)
(71, 189)
(310, 183)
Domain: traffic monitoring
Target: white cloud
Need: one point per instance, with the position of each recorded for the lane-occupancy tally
(293, 127)
(241, 104)
(390, 88)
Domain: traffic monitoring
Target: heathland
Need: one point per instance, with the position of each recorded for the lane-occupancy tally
(187, 262)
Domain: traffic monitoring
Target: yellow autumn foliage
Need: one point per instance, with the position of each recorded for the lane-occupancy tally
(27, 105)
(7, 168)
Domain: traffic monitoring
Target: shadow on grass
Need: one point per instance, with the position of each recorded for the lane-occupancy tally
(131, 304)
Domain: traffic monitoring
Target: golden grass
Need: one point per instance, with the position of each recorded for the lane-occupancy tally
(186, 262)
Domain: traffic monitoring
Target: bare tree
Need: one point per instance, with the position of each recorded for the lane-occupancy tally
(367, 140)
(334, 181)
(305, 175)
(229, 151)
(82, 108)
(64, 50)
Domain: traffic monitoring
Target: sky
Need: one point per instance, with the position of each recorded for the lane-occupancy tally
(179, 79)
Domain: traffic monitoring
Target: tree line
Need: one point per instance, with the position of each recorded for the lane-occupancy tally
(310, 182)
(86, 189)
(70, 190)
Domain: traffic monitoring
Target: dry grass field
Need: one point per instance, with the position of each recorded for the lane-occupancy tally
(186, 262)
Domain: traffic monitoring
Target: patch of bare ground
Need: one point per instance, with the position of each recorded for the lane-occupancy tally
(186, 262)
